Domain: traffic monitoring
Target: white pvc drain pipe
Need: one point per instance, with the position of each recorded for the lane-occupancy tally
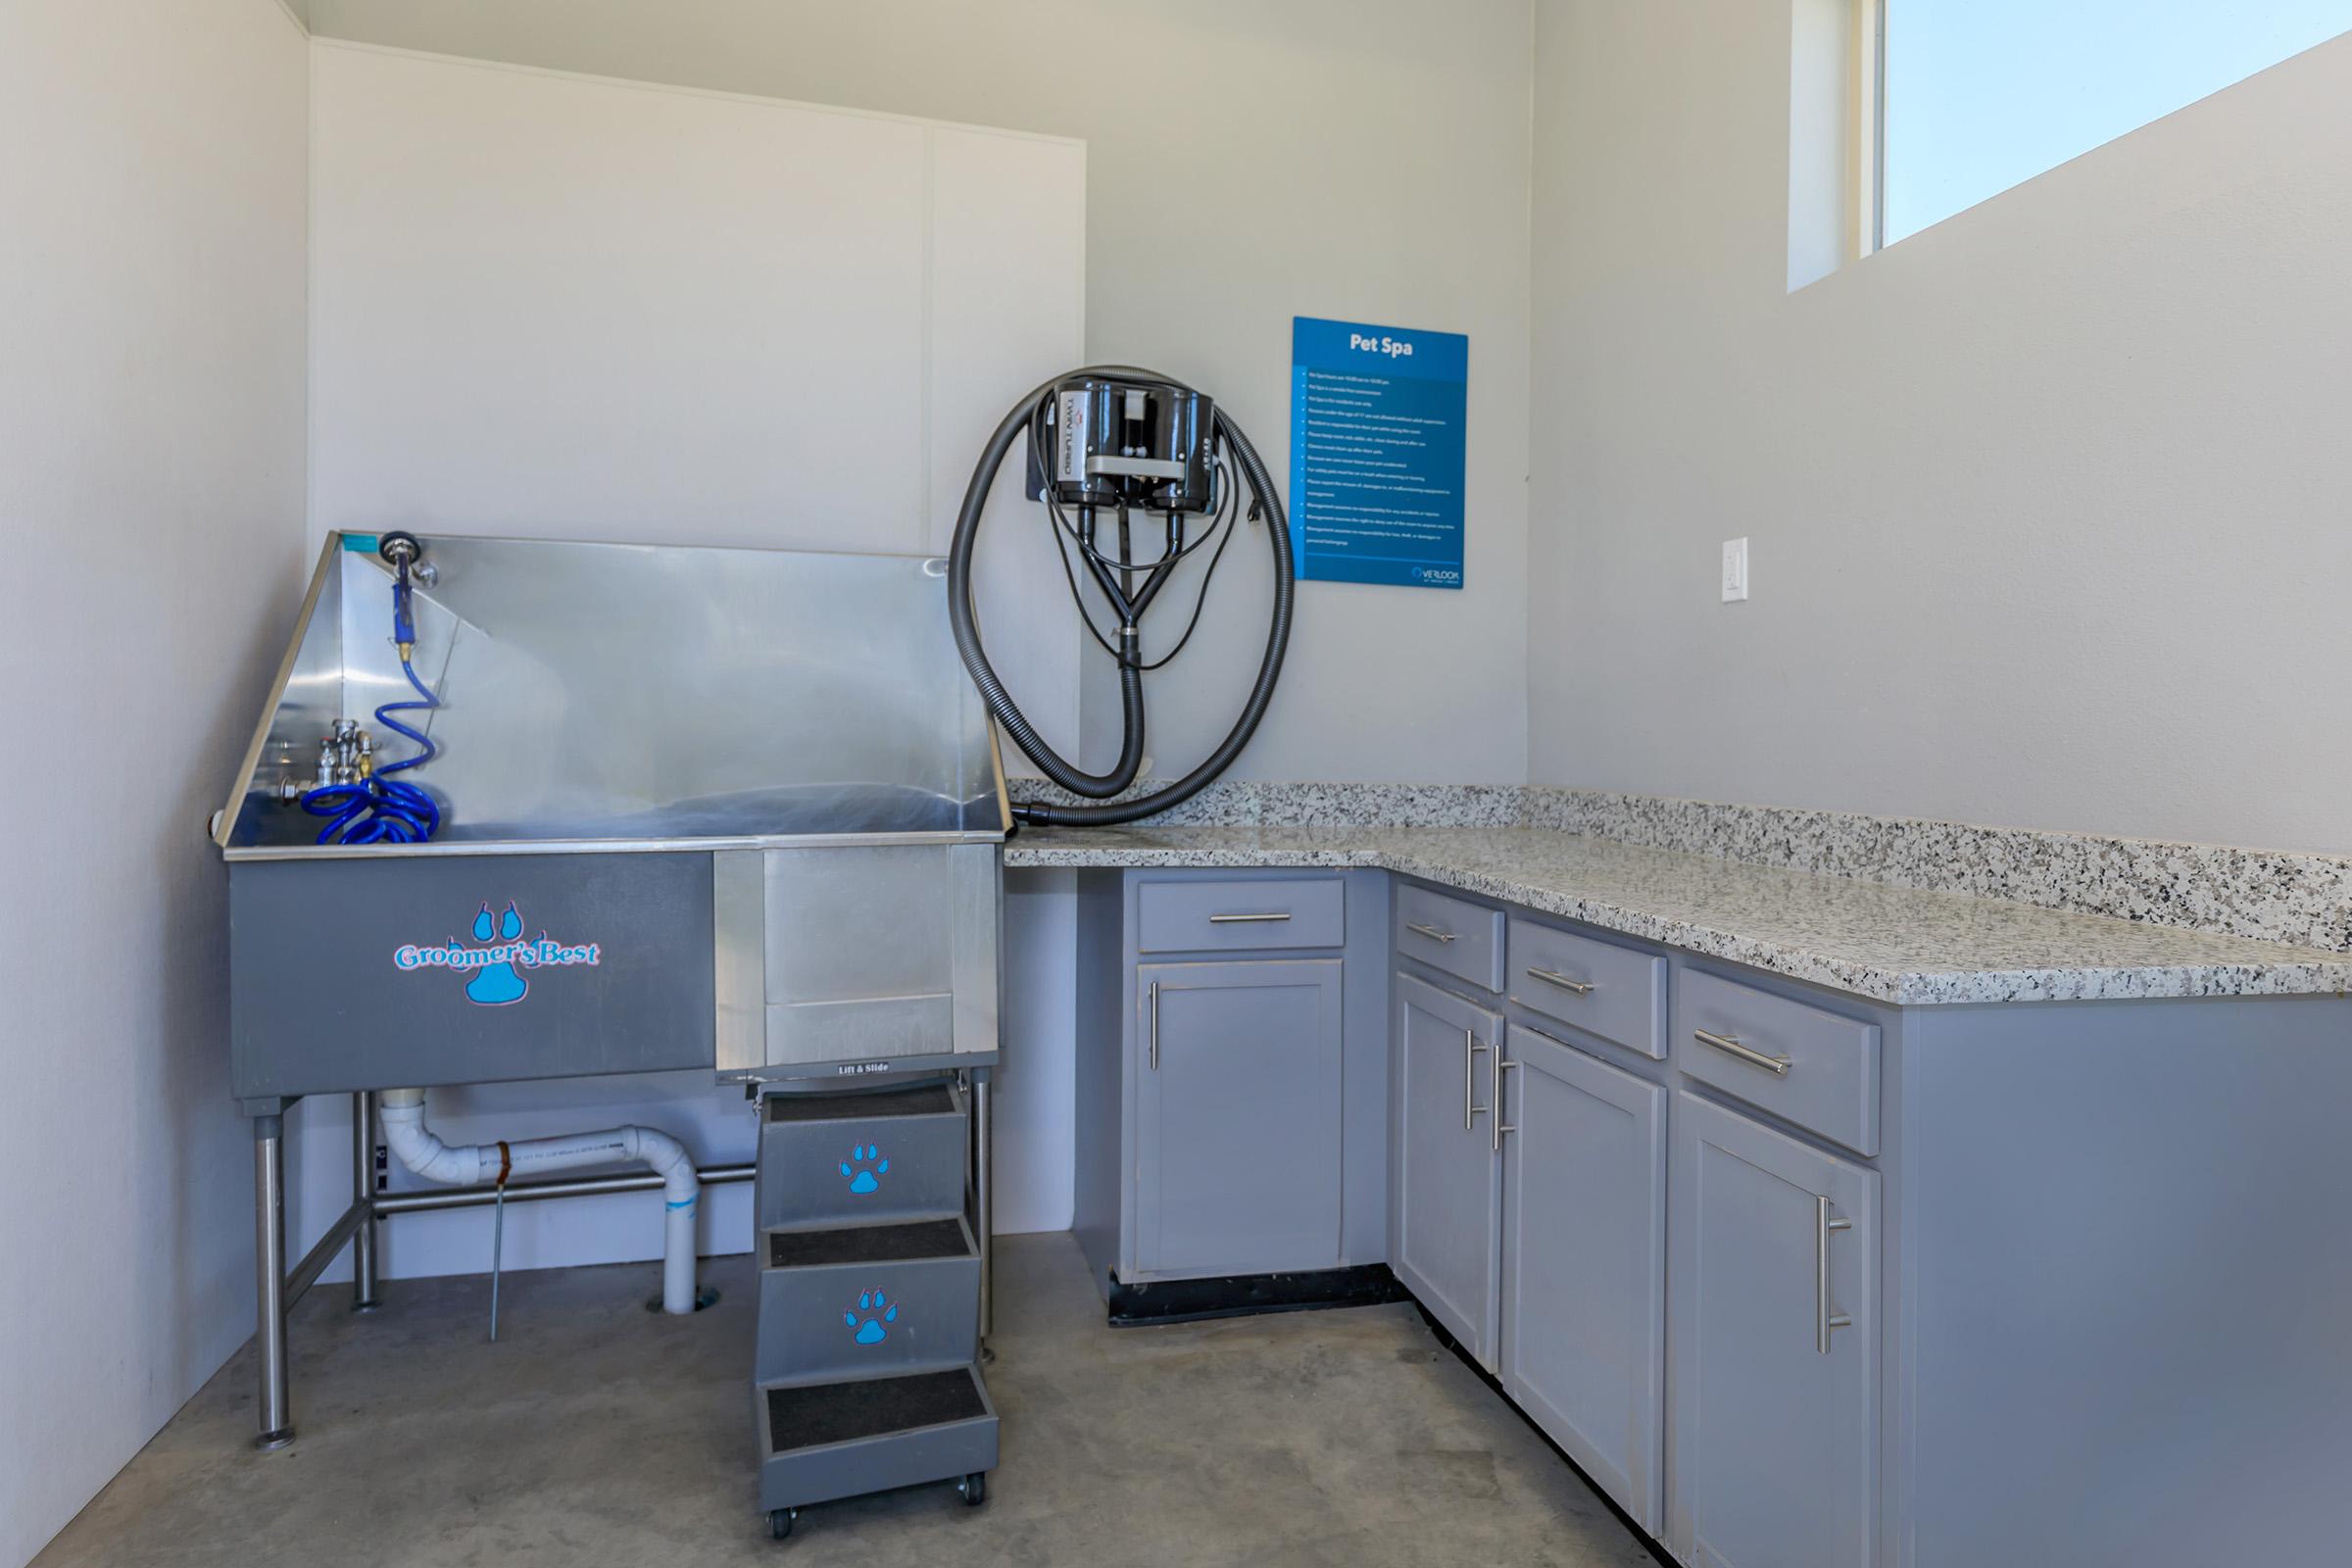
(466, 1164)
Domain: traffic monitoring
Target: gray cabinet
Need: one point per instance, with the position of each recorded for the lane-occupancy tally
(1603, 988)
(1446, 1165)
(1231, 1087)
(1461, 938)
(1584, 1262)
(1223, 916)
(1807, 1065)
(1238, 1101)
(1774, 1348)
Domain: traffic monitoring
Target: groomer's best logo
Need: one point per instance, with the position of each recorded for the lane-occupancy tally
(498, 967)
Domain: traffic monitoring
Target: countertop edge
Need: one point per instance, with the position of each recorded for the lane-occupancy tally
(2287, 976)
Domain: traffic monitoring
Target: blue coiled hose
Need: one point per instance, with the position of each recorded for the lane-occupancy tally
(381, 808)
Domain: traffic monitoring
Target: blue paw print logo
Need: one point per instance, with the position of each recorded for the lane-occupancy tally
(496, 966)
(863, 1168)
(497, 984)
(879, 1311)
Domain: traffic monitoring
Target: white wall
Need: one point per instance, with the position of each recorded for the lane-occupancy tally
(1325, 159)
(1363, 158)
(2049, 502)
(556, 306)
(151, 472)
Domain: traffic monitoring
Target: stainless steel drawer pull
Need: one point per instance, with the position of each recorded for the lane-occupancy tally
(1470, 1106)
(1824, 1320)
(1777, 1066)
(1552, 977)
(1495, 1096)
(1153, 994)
(1242, 919)
(1428, 931)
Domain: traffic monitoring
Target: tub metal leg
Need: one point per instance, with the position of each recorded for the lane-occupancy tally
(984, 1194)
(269, 1280)
(364, 1298)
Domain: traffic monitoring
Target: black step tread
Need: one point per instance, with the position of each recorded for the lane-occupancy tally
(815, 1414)
(868, 1243)
(926, 1100)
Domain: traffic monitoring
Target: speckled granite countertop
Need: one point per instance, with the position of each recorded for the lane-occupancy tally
(1892, 944)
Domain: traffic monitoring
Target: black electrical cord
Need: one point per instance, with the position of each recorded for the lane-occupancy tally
(1224, 507)
(1069, 574)
(1207, 575)
(1266, 507)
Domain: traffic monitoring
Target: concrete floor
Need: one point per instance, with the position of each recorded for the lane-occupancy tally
(596, 1433)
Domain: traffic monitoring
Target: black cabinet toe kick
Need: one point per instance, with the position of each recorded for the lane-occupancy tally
(1245, 1295)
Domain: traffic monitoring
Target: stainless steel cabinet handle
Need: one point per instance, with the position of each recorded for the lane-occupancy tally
(1153, 994)
(1824, 1320)
(1428, 931)
(1777, 1066)
(1240, 919)
(1495, 1095)
(1470, 1106)
(1551, 977)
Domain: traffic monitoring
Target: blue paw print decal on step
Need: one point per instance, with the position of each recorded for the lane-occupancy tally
(863, 1168)
(879, 1310)
(497, 984)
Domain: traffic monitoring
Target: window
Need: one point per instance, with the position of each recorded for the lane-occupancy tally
(1980, 95)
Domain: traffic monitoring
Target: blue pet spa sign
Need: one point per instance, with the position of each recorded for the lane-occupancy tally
(1377, 464)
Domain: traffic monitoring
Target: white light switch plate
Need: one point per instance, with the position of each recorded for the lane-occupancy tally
(1734, 570)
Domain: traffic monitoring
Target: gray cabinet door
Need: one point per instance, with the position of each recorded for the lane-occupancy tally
(1448, 1198)
(1238, 1099)
(1772, 1445)
(1584, 1263)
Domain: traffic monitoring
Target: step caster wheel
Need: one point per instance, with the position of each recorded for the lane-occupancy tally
(974, 1488)
(779, 1522)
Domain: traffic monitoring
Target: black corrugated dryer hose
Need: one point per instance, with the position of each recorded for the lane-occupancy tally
(1266, 507)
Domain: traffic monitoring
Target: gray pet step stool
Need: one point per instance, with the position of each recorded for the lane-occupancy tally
(867, 1362)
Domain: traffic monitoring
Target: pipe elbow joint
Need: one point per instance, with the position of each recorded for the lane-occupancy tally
(413, 1145)
(668, 1160)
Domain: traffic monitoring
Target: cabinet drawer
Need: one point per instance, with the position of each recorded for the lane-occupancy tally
(1816, 1068)
(1616, 993)
(1452, 934)
(1241, 912)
